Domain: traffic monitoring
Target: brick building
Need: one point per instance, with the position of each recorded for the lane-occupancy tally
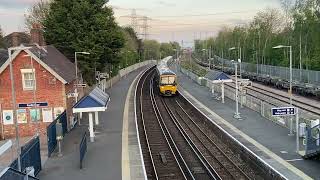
(54, 79)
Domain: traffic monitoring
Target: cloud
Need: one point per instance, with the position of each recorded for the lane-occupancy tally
(166, 4)
(16, 4)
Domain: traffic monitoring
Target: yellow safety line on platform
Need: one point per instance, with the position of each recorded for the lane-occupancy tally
(245, 136)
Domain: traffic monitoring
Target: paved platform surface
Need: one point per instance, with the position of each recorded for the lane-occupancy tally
(272, 136)
(103, 160)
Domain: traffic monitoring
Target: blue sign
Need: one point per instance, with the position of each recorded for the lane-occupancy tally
(28, 105)
(283, 111)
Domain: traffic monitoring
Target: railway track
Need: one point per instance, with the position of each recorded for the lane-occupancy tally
(227, 168)
(176, 146)
(159, 157)
(284, 99)
(304, 105)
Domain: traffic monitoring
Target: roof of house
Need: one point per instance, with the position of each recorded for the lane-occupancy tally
(22, 37)
(3, 56)
(56, 61)
(50, 58)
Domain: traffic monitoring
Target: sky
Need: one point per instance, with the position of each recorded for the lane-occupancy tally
(168, 20)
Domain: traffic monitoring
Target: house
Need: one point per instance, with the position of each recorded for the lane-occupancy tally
(54, 80)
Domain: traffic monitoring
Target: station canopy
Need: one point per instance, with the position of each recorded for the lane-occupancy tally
(97, 100)
(217, 76)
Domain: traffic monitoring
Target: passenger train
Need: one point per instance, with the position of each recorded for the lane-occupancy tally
(166, 78)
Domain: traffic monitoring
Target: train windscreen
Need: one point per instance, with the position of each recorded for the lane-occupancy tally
(169, 80)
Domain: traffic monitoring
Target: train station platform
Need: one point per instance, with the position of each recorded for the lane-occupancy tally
(266, 139)
(115, 154)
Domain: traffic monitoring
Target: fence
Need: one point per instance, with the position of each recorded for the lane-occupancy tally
(306, 76)
(258, 103)
(51, 132)
(83, 148)
(30, 156)
(125, 71)
(13, 174)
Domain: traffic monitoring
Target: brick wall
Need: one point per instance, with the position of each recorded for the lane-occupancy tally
(48, 89)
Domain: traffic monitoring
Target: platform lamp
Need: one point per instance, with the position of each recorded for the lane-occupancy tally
(290, 89)
(14, 104)
(237, 114)
(76, 65)
(239, 48)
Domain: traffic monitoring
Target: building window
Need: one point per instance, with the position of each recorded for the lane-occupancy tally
(28, 79)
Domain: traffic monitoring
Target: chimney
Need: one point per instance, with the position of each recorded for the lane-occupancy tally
(37, 34)
(15, 39)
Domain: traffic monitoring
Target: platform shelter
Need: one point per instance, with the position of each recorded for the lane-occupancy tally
(217, 77)
(97, 101)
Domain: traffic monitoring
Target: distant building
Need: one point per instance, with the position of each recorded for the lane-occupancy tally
(52, 77)
(17, 38)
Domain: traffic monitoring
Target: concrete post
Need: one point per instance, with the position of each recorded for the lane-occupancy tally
(212, 90)
(80, 118)
(297, 130)
(222, 92)
(96, 117)
(91, 127)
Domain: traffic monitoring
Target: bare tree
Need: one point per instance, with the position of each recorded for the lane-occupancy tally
(37, 13)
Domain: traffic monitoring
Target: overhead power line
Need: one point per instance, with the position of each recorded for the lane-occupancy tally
(206, 14)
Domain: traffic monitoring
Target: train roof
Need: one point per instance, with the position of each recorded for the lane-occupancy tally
(163, 67)
(165, 71)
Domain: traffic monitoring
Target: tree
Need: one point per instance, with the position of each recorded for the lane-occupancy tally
(151, 49)
(37, 13)
(84, 25)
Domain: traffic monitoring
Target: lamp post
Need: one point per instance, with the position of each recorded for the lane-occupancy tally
(76, 64)
(237, 114)
(239, 48)
(13, 93)
(34, 90)
(290, 89)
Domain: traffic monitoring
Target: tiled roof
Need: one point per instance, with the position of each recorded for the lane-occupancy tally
(3, 56)
(50, 56)
(56, 61)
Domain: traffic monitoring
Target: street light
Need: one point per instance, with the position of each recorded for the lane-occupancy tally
(76, 64)
(239, 60)
(290, 90)
(237, 114)
(34, 90)
(13, 93)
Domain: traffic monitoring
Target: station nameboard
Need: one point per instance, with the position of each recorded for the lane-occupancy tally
(27, 105)
(283, 111)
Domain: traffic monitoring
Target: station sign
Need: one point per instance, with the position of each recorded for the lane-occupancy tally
(28, 105)
(80, 85)
(283, 111)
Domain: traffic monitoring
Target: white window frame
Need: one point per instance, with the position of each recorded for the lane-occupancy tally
(25, 71)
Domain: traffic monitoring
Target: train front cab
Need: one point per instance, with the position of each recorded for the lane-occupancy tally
(168, 85)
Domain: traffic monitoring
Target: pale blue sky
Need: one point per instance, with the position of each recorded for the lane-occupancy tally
(170, 20)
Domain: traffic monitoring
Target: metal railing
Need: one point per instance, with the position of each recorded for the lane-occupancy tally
(30, 156)
(52, 134)
(83, 148)
(304, 76)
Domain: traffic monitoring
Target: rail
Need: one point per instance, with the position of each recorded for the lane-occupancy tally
(228, 168)
(210, 170)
